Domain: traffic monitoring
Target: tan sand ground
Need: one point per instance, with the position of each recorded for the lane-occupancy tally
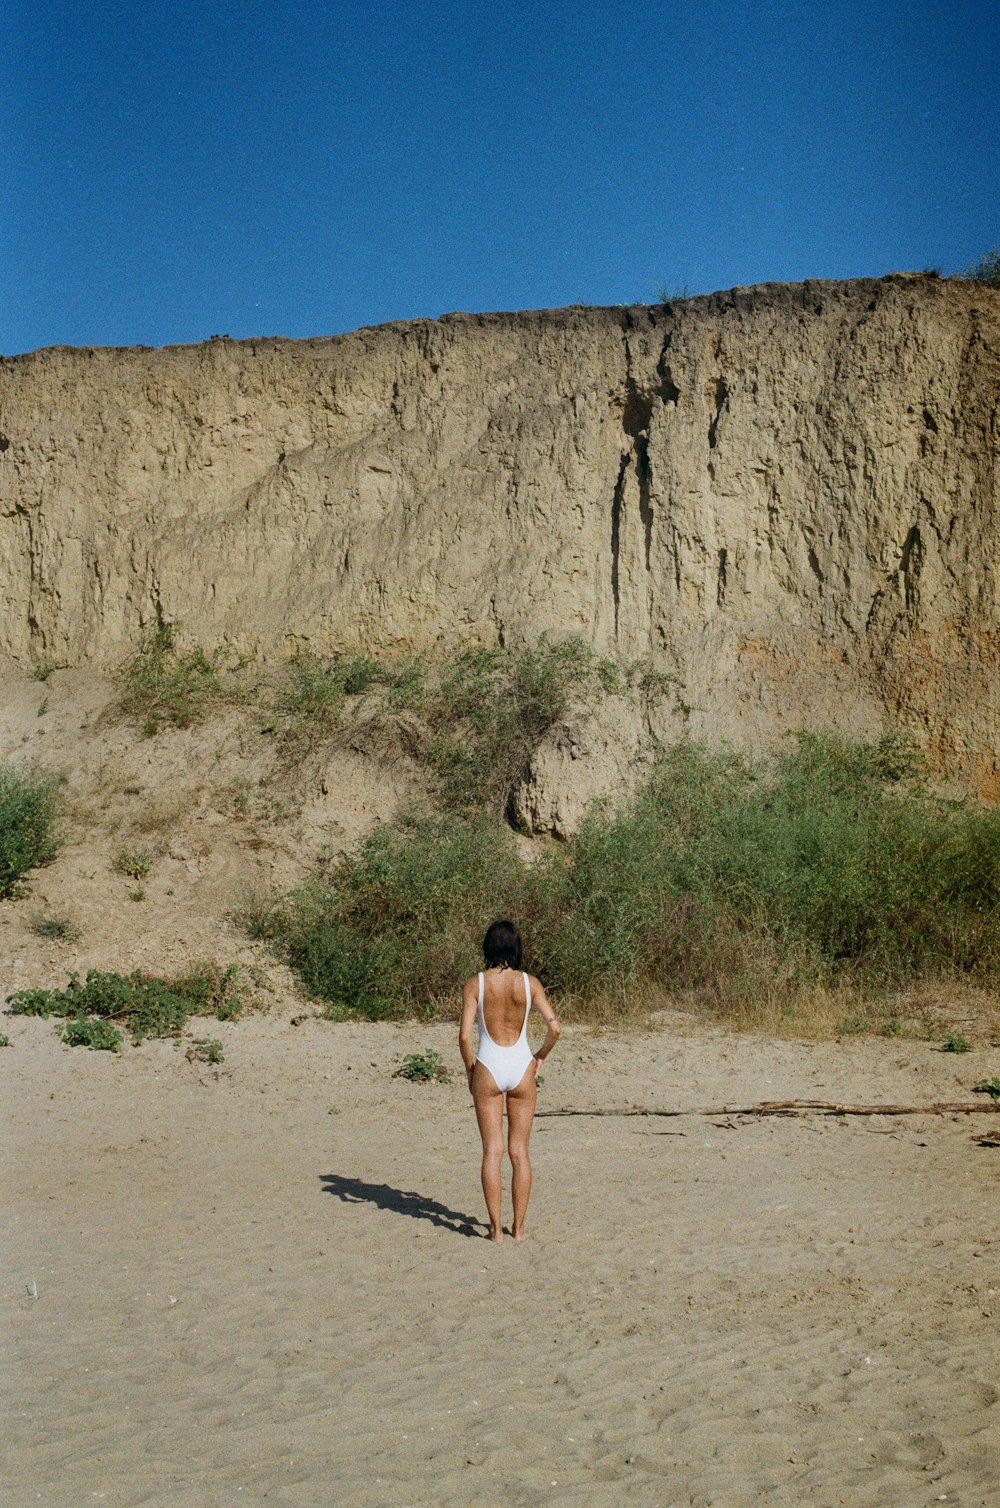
(244, 1298)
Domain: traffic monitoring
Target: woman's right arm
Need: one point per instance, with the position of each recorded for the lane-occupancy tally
(470, 1003)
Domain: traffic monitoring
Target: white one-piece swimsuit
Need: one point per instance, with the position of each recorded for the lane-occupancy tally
(506, 1064)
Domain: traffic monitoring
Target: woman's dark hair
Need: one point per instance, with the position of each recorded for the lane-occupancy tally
(502, 945)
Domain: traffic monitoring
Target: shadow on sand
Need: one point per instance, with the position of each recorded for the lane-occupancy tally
(400, 1201)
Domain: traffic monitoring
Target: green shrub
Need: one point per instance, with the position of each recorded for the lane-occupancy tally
(214, 991)
(855, 1026)
(161, 686)
(207, 1050)
(479, 717)
(313, 690)
(988, 1086)
(29, 807)
(388, 930)
(955, 1042)
(833, 855)
(827, 867)
(133, 862)
(145, 1005)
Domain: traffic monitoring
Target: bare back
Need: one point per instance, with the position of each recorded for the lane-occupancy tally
(504, 1005)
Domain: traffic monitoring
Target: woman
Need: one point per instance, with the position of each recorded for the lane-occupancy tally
(505, 1067)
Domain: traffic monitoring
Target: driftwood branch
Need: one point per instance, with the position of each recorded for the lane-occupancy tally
(799, 1107)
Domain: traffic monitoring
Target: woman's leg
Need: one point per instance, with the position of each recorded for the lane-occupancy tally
(489, 1113)
(520, 1114)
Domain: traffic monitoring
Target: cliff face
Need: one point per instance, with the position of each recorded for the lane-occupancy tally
(788, 495)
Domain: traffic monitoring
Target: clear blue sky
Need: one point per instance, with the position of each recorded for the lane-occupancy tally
(290, 167)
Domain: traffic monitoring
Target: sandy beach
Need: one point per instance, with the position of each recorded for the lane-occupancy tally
(265, 1283)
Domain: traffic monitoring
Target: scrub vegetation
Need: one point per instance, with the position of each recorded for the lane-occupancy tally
(29, 808)
(985, 270)
(474, 721)
(96, 1011)
(162, 686)
(488, 712)
(823, 880)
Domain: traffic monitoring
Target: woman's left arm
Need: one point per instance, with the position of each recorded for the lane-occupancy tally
(539, 1000)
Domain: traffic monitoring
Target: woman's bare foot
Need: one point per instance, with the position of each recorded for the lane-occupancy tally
(519, 1235)
(496, 1236)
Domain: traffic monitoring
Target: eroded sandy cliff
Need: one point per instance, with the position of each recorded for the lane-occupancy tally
(788, 495)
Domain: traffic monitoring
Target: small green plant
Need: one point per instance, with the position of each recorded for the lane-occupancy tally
(677, 295)
(55, 928)
(313, 690)
(207, 1050)
(135, 863)
(28, 812)
(213, 991)
(43, 706)
(43, 670)
(609, 675)
(988, 1086)
(91, 1031)
(424, 1068)
(955, 1042)
(4, 1040)
(854, 1026)
(238, 795)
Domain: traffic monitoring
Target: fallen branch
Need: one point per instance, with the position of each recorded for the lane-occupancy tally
(798, 1107)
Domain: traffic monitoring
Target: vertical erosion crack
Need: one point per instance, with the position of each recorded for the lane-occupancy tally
(616, 529)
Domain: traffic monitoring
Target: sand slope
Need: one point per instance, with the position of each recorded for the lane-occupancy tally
(245, 1298)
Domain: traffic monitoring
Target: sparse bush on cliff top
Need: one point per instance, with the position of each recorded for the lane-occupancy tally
(751, 884)
(986, 270)
(28, 810)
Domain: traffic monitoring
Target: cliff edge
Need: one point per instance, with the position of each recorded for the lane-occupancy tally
(786, 495)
